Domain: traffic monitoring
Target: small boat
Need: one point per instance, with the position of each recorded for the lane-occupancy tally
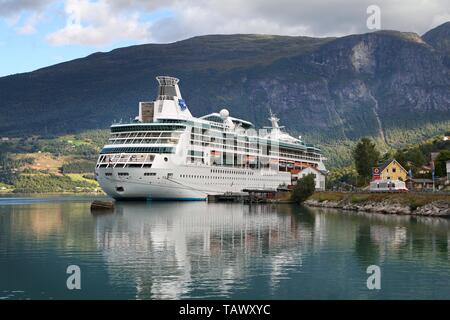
(98, 205)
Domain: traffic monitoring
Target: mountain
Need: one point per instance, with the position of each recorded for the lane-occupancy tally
(439, 37)
(387, 84)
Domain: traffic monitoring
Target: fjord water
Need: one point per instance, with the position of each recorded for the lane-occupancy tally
(176, 250)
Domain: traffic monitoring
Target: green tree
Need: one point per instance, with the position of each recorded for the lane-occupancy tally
(412, 158)
(440, 163)
(366, 157)
(304, 188)
(417, 157)
(341, 178)
(6, 168)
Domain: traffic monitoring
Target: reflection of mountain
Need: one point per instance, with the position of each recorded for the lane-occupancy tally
(64, 224)
(42, 221)
(169, 247)
(377, 237)
(39, 238)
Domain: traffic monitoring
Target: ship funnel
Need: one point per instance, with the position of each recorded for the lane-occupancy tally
(169, 100)
(168, 88)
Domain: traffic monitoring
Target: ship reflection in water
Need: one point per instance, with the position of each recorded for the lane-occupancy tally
(193, 249)
(173, 250)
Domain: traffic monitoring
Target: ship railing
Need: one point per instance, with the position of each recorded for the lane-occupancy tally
(128, 160)
(112, 161)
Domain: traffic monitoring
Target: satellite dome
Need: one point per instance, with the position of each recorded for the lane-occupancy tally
(224, 113)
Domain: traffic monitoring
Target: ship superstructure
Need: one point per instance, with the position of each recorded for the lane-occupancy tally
(166, 153)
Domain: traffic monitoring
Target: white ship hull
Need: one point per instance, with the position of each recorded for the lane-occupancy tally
(187, 183)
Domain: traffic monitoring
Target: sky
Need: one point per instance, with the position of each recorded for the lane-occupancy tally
(39, 33)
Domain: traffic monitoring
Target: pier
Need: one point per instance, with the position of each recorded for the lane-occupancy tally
(253, 196)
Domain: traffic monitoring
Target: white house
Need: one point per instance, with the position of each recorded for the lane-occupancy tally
(319, 177)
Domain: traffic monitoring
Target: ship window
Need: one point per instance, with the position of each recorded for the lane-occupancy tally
(136, 150)
(108, 174)
(123, 174)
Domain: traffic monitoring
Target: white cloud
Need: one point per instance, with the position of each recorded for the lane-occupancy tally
(109, 21)
(96, 23)
(142, 5)
(294, 17)
(29, 27)
(14, 7)
(440, 19)
(14, 11)
(12, 20)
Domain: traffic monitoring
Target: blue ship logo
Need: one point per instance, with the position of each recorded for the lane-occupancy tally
(182, 104)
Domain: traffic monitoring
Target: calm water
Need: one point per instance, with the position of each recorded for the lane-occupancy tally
(199, 250)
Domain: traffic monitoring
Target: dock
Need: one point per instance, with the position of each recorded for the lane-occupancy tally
(228, 197)
(253, 196)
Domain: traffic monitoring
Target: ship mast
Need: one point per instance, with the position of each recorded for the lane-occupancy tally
(276, 129)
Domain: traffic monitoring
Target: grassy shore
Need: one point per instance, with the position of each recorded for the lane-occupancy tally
(413, 200)
(51, 183)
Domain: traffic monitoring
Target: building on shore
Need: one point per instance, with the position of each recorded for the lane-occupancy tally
(419, 184)
(393, 170)
(319, 177)
(387, 185)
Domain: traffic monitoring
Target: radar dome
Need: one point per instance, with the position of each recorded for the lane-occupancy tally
(224, 113)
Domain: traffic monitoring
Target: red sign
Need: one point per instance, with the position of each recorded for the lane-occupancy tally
(376, 173)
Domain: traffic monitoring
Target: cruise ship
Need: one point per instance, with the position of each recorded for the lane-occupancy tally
(168, 154)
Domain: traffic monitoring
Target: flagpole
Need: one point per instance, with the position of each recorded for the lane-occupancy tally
(432, 176)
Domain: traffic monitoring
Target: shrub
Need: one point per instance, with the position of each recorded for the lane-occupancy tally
(82, 166)
(303, 189)
(89, 176)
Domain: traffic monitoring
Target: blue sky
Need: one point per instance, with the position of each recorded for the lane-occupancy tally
(23, 52)
(39, 33)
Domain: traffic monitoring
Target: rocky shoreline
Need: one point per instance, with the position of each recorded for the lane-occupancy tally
(433, 209)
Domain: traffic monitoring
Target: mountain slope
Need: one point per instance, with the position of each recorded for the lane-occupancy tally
(439, 37)
(91, 92)
(379, 84)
